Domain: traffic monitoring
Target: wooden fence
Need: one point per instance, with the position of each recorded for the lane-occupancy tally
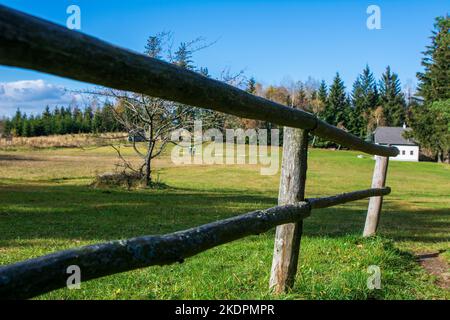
(36, 44)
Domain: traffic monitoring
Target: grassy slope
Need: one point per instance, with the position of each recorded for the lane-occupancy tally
(45, 205)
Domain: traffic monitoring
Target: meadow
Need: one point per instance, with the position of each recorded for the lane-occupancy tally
(47, 204)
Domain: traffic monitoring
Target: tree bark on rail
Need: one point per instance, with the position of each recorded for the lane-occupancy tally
(292, 190)
(319, 203)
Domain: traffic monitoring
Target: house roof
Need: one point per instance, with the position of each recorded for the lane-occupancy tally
(392, 135)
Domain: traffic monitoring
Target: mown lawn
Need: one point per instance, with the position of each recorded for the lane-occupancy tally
(46, 204)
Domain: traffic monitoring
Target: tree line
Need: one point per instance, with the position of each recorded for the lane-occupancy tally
(63, 120)
(372, 103)
(369, 103)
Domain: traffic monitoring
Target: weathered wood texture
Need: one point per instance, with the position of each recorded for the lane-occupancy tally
(375, 203)
(33, 43)
(29, 278)
(291, 190)
(319, 203)
(33, 277)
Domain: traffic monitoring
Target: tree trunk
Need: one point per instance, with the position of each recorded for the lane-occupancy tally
(148, 165)
(439, 156)
(148, 172)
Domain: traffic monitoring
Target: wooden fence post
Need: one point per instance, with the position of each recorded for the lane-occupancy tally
(292, 190)
(375, 203)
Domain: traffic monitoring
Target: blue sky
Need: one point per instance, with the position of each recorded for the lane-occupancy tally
(271, 40)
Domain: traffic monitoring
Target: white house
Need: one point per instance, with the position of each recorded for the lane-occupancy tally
(393, 136)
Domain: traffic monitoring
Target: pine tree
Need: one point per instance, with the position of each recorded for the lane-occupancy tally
(435, 80)
(357, 119)
(392, 98)
(97, 121)
(430, 121)
(8, 126)
(57, 121)
(364, 100)
(322, 96)
(47, 121)
(337, 109)
(68, 121)
(154, 46)
(17, 123)
(301, 99)
(25, 127)
(87, 120)
(183, 56)
(32, 126)
(314, 95)
(251, 86)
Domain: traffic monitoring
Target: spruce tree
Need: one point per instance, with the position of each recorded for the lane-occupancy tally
(47, 121)
(97, 125)
(154, 46)
(435, 80)
(57, 121)
(337, 108)
(251, 86)
(364, 100)
(392, 99)
(322, 95)
(183, 56)
(301, 100)
(25, 127)
(430, 121)
(17, 123)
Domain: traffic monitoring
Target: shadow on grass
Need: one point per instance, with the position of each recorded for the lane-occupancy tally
(430, 225)
(78, 212)
(10, 157)
(82, 213)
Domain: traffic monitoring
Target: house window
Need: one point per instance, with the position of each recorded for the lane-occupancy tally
(411, 153)
(403, 152)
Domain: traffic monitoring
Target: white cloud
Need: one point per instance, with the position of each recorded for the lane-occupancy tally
(32, 96)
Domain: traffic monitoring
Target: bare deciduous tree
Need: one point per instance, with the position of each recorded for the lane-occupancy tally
(150, 121)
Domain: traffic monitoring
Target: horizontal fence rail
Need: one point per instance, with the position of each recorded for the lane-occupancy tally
(33, 43)
(33, 277)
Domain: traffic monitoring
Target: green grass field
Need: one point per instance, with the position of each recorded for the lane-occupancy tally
(46, 205)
